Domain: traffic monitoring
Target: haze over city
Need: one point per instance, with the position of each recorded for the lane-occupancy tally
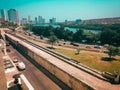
(64, 9)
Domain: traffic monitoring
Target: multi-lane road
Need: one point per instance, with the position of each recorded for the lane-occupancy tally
(72, 70)
(37, 76)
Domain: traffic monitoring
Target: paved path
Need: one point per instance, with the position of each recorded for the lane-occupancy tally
(2, 73)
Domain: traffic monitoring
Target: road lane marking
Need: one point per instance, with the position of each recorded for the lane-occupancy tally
(30, 87)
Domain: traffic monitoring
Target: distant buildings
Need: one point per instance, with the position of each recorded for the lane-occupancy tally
(41, 20)
(78, 21)
(66, 21)
(36, 21)
(53, 20)
(29, 18)
(13, 16)
(24, 21)
(3, 14)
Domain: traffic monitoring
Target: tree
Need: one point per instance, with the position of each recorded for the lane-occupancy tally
(113, 51)
(68, 35)
(78, 35)
(53, 39)
(108, 36)
(89, 36)
(78, 50)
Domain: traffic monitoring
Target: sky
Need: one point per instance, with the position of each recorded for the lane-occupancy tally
(64, 9)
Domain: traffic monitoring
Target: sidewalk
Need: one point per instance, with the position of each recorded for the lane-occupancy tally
(3, 80)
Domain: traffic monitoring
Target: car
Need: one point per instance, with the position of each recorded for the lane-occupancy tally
(7, 43)
(97, 46)
(17, 81)
(74, 44)
(21, 65)
(8, 50)
(89, 47)
(15, 60)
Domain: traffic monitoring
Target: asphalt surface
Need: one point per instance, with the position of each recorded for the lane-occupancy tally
(40, 78)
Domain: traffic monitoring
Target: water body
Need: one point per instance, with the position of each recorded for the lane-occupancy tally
(85, 30)
(46, 25)
(68, 28)
(71, 29)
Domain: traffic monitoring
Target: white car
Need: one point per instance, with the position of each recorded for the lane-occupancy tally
(21, 65)
(97, 46)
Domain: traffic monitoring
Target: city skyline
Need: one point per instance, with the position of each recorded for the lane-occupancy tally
(62, 10)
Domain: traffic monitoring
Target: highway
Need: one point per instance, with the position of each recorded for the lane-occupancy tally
(78, 73)
(38, 76)
(66, 59)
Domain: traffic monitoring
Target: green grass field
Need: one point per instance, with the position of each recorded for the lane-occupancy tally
(93, 59)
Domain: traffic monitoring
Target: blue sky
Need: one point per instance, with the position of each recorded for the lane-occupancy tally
(64, 9)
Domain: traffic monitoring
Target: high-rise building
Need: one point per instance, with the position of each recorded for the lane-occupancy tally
(3, 14)
(53, 20)
(29, 18)
(78, 21)
(36, 21)
(24, 21)
(66, 21)
(41, 19)
(13, 16)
